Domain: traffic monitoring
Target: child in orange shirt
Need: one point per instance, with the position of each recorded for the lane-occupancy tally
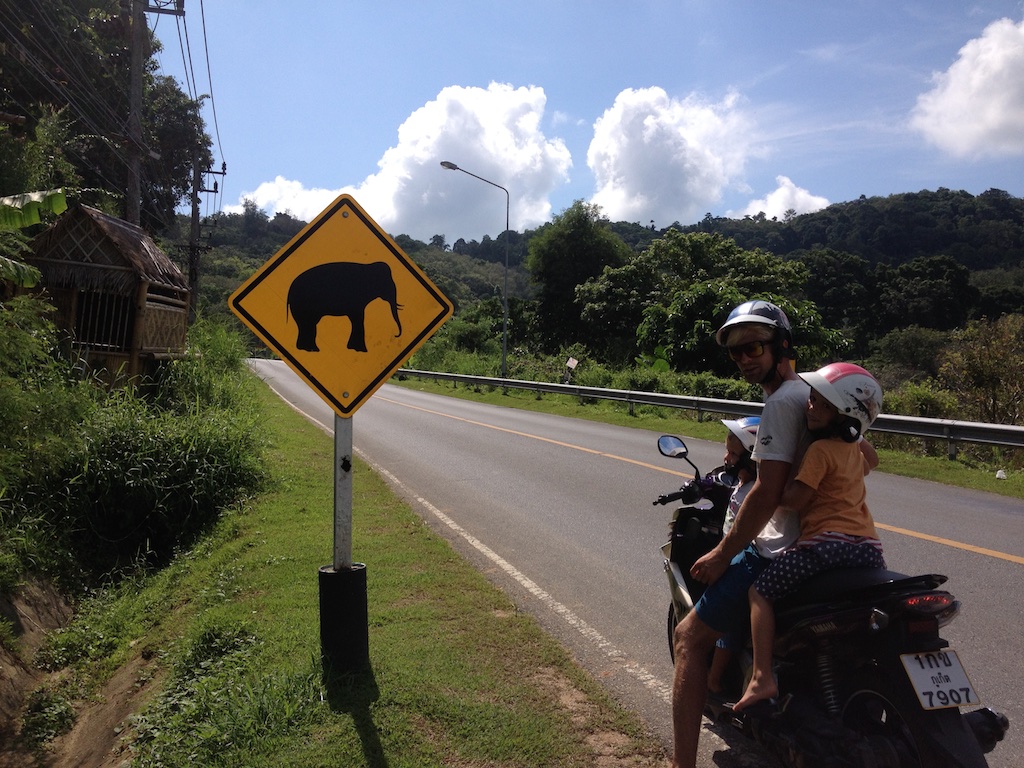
(828, 495)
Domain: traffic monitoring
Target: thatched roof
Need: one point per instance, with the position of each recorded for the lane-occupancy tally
(89, 250)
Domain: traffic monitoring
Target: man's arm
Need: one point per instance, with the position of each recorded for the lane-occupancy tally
(755, 512)
(797, 497)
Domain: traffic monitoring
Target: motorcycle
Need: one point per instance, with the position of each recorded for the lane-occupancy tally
(865, 680)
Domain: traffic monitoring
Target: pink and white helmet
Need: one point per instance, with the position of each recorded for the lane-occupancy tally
(851, 389)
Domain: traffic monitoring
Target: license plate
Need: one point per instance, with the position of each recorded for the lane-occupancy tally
(939, 679)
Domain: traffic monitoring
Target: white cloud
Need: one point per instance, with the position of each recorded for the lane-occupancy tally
(655, 157)
(977, 105)
(787, 196)
(287, 196)
(493, 133)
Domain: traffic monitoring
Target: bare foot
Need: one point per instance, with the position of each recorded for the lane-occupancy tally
(758, 689)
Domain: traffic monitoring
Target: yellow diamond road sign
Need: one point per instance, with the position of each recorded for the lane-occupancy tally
(342, 305)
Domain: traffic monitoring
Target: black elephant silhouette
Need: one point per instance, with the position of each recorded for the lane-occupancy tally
(340, 289)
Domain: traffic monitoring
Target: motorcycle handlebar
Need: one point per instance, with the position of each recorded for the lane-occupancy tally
(696, 489)
(690, 493)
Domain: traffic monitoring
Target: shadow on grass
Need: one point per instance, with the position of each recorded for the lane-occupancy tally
(352, 692)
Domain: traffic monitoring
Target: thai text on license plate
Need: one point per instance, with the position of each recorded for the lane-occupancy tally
(939, 679)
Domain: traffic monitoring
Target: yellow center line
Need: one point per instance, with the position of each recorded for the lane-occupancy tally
(951, 543)
(891, 528)
(559, 443)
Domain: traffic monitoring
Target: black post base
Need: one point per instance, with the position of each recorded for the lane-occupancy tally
(344, 619)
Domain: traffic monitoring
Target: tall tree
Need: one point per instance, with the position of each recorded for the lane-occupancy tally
(72, 57)
(675, 294)
(984, 367)
(931, 291)
(576, 246)
(842, 285)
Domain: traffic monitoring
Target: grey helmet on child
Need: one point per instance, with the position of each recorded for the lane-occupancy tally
(745, 430)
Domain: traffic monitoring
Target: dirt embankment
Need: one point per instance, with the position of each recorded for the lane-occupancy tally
(94, 742)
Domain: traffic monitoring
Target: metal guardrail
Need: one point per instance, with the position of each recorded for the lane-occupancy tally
(949, 430)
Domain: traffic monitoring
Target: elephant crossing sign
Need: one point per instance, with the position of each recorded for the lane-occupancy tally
(342, 305)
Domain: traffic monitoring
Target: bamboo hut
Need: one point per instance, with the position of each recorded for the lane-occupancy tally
(122, 301)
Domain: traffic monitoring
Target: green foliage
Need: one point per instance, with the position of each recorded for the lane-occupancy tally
(66, 140)
(843, 287)
(41, 404)
(984, 368)
(211, 376)
(102, 479)
(931, 291)
(674, 295)
(979, 231)
(658, 360)
(32, 161)
(145, 483)
(47, 714)
(924, 399)
(906, 354)
(575, 247)
(174, 129)
(17, 273)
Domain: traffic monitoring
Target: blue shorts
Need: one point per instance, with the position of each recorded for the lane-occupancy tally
(725, 605)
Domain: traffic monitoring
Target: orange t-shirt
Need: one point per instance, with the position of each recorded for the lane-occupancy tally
(835, 470)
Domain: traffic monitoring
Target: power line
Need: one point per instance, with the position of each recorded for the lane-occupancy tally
(209, 77)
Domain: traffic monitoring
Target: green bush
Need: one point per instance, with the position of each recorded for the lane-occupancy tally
(145, 482)
(104, 480)
(925, 399)
(211, 376)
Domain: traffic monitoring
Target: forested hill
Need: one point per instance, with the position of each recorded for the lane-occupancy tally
(981, 232)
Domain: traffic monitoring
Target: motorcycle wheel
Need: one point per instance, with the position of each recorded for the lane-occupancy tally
(896, 728)
(872, 714)
(673, 620)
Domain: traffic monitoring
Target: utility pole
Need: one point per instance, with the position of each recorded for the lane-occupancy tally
(193, 240)
(139, 39)
(195, 249)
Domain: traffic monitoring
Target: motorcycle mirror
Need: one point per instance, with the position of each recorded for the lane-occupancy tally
(672, 447)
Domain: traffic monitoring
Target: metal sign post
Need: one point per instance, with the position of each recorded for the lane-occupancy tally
(344, 611)
(342, 493)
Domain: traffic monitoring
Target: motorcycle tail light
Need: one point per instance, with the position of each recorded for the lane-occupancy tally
(940, 605)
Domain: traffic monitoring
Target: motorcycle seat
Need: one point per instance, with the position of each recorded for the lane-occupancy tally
(849, 582)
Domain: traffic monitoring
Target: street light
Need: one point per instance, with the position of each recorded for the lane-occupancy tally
(504, 294)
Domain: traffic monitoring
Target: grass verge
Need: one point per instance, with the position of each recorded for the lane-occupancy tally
(459, 676)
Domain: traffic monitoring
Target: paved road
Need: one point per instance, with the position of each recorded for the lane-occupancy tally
(557, 512)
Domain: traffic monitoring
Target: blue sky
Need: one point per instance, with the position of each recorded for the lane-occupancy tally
(655, 110)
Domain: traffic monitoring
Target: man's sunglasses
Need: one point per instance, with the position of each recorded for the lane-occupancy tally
(750, 349)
